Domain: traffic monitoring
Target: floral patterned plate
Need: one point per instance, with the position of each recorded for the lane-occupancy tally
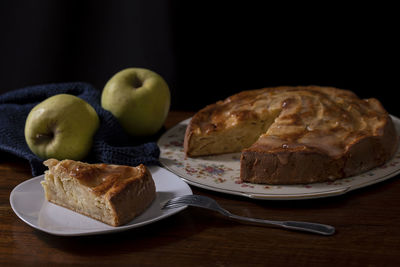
(221, 173)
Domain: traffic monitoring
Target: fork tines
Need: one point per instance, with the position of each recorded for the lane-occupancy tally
(180, 201)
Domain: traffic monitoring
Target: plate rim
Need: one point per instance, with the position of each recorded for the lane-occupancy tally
(271, 196)
(117, 229)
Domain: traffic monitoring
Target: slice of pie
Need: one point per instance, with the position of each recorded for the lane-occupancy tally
(112, 194)
(292, 135)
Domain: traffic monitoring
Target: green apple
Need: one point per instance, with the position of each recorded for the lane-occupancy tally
(61, 127)
(139, 99)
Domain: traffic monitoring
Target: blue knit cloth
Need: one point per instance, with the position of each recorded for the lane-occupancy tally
(110, 145)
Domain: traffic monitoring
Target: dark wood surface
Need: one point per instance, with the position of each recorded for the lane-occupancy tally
(367, 222)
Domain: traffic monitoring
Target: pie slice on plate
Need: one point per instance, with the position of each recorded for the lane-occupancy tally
(112, 194)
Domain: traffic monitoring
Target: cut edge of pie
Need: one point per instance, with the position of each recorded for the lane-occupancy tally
(112, 194)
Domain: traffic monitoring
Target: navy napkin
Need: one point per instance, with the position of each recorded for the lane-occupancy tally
(110, 145)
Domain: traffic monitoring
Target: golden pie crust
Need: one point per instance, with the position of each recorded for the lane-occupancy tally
(112, 194)
(295, 135)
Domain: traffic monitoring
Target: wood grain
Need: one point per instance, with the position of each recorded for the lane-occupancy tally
(367, 222)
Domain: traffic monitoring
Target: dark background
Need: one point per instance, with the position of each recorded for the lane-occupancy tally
(206, 50)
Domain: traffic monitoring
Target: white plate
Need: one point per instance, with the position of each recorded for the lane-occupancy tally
(221, 173)
(28, 202)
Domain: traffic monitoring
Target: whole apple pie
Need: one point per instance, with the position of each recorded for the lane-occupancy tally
(112, 194)
(295, 135)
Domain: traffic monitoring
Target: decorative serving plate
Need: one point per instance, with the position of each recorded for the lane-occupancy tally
(221, 172)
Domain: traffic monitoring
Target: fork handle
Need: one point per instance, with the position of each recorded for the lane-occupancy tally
(316, 228)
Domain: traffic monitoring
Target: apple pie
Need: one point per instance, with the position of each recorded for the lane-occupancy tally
(112, 194)
(295, 135)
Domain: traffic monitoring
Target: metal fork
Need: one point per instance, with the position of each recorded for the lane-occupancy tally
(211, 204)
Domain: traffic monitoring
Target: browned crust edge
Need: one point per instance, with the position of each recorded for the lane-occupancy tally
(131, 205)
(187, 139)
(311, 166)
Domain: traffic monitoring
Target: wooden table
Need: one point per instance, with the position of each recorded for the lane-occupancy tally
(367, 222)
